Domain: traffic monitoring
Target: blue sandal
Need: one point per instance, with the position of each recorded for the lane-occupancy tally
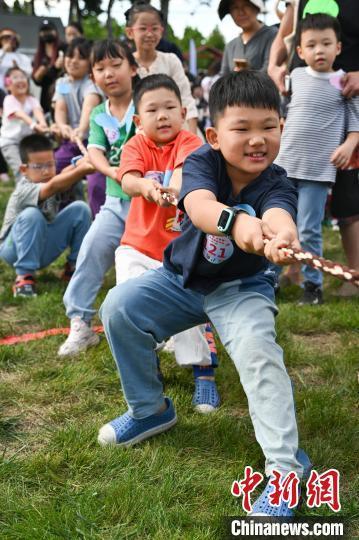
(126, 431)
(262, 506)
(205, 398)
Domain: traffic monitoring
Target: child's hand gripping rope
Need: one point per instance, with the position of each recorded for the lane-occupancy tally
(319, 263)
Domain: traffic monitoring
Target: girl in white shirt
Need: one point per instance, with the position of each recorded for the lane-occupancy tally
(22, 114)
(144, 26)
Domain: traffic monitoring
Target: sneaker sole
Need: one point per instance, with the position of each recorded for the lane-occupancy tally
(95, 340)
(142, 436)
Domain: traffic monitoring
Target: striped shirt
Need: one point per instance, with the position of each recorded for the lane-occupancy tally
(319, 118)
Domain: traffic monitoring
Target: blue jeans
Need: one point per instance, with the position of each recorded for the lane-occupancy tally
(142, 312)
(312, 197)
(97, 255)
(34, 243)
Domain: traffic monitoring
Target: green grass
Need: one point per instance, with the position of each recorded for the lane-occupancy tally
(57, 483)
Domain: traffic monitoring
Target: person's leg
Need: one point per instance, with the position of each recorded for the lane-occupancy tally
(312, 197)
(248, 335)
(63, 156)
(95, 258)
(23, 248)
(345, 207)
(137, 315)
(12, 157)
(67, 230)
(25, 243)
(96, 189)
(194, 347)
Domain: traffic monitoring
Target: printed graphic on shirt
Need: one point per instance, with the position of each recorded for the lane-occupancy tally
(175, 223)
(63, 88)
(109, 125)
(217, 249)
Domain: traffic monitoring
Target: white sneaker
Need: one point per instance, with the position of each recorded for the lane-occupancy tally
(79, 339)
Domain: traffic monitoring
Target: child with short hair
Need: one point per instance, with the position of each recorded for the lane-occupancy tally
(151, 159)
(232, 196)
(22, 115)
(75, 97)
(34, 232)
(320, 135)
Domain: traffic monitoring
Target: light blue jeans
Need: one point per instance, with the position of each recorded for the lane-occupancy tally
(142, 312)
(97, 255)
(312, 197)
(34, 243)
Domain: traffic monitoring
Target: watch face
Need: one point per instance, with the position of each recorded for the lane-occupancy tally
(225, 220)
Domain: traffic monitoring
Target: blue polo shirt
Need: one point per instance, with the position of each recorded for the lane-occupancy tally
(205, 260)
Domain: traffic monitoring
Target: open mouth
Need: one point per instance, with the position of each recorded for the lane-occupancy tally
(256, 155)
(163, 128)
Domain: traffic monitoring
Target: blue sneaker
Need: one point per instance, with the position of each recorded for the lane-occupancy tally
(262, 506)
(205, 397)
(126, 431)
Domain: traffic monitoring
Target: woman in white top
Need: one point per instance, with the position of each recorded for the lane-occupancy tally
(144, 26)
(9, 58)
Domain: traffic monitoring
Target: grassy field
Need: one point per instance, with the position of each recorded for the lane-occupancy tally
(57, 483)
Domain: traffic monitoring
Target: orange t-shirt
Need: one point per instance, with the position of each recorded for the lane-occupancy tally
(150, 228)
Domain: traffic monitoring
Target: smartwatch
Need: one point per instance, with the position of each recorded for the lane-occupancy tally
(228, 216)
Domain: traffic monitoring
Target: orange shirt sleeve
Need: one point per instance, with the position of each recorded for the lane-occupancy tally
(133, 157)
(186, 144)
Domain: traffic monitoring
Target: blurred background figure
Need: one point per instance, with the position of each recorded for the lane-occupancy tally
(9, 57)
(72, 31)
(48, 62)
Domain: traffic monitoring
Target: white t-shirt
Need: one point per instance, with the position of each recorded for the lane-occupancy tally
(13, 129)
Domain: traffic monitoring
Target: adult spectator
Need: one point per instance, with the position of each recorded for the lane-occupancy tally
(345, 197)
(9, 57)
(48, 62)
(72, 31)
(252, 46)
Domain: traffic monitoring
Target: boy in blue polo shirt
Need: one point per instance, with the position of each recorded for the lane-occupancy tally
(233, 197)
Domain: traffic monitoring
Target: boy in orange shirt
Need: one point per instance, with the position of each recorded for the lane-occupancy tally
(151, 163)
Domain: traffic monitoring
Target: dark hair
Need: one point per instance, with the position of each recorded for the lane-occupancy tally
(33, 143)
(247, 88)
(138, 8)
(82, 45)
(318, 21)
(153, 82)
(76, 25)
(111, 48)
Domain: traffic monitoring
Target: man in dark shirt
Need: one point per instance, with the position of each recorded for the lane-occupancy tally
(232, 196)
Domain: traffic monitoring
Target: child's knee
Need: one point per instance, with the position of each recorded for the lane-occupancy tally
(30, 218)
(81, 210)
(119, 306)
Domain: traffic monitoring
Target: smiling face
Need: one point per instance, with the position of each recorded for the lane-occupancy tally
(248, 139)
(76, 66)
(160, 115)
(319, 48)
(17, 83)
(146, 31)
(114, 76)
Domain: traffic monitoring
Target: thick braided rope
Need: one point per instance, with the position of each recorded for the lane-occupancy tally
(335, 269)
